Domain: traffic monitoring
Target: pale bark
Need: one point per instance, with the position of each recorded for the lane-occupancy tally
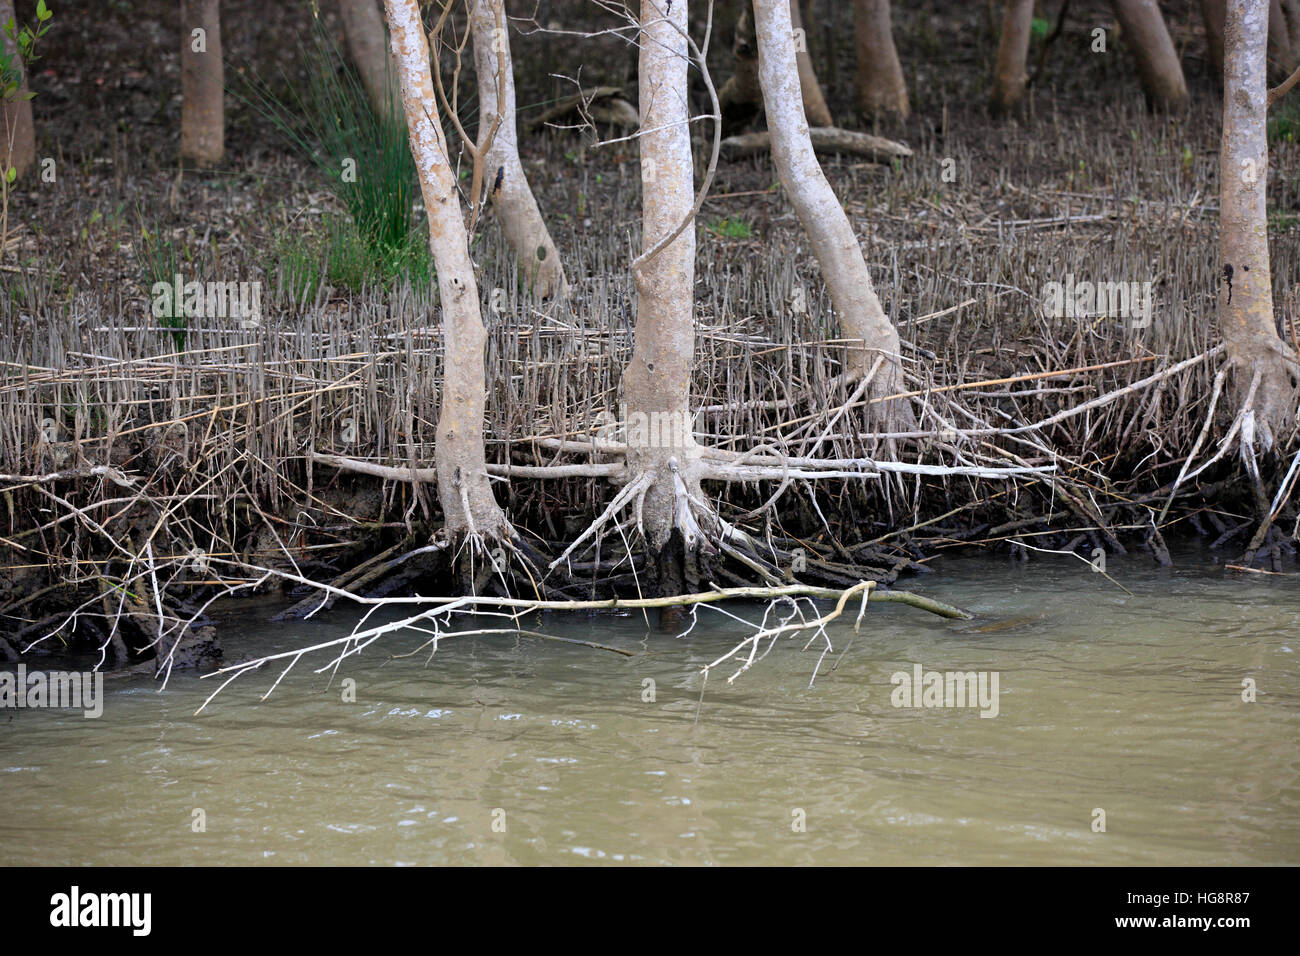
(1145, 33)
(460, 462)
(1245, 294)
(656, 383)
(17, 132)
(363, 27)
(1212, 13)
(1010, 76)
(203, 123)
(742, 96)
(880, 76)
(507, 183)
(862, 320)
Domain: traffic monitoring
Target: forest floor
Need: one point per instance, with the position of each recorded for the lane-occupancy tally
(194, 449)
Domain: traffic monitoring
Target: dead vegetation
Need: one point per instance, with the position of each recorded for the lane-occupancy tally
(146, 473)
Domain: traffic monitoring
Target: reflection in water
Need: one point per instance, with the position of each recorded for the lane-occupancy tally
(1127, 704)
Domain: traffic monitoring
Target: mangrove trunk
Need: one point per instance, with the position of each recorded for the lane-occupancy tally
(880, 76)
(17, 132)
(203, 118)
(742, 96)
(507, 184)
(1009, 77)
(363, 28)
(1245, 293)
(468, 505)
(661, 449)
(862, 320)
(1145, 33)
(810, 88)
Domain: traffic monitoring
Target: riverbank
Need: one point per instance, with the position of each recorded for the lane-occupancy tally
(148, 468)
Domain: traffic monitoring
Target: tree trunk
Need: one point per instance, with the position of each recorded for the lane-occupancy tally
(814, 103)
(862, 320)
(363, 26)
(506, 182)
(1291, 11)
(1281, 43)
(1212, 13)
(1245, 294)
(1010, 77)
(1144, 30)
(468, 505)
(880, 76)
(656, 383)
(203, 123)
(741, 96)
(17, 133)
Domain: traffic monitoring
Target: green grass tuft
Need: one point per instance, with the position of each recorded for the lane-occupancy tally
(364, 160)
(732, 229)
(161, 258)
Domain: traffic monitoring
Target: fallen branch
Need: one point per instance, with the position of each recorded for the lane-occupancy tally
(825, 139)
(106, 471)
(436, 613)
(604, 104)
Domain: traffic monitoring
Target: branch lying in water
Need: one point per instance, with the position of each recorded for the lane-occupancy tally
(436, 615)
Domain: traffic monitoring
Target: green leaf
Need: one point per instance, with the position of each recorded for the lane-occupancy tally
(1037, 27)
(43, 12)
(11, 174)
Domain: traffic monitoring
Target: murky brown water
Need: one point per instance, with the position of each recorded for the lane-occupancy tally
(1128, 704)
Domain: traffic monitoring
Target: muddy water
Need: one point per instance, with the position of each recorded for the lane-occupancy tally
(1131, 705)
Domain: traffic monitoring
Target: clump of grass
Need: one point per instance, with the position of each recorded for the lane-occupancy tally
(349, 263)
(343, 258)
(732, 229)
(361, 153)
(161, 258)
(298, 266)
